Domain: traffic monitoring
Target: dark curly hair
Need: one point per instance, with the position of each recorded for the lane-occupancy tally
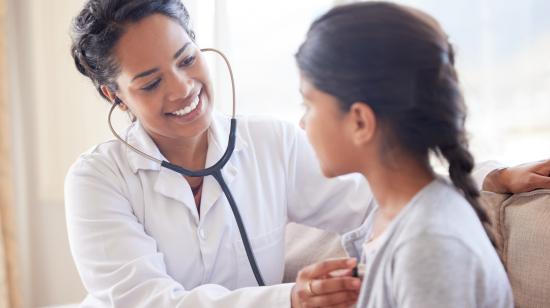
(101, 23)
(399, 61)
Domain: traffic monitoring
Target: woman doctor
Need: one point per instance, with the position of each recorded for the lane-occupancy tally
(144, 236)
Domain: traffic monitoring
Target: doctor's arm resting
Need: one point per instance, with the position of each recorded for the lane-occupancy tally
(516, 179)
(120, 264)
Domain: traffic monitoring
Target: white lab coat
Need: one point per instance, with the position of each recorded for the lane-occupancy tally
(137, 239)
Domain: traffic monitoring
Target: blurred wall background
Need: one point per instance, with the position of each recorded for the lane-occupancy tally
(55, 114)
(9, 284)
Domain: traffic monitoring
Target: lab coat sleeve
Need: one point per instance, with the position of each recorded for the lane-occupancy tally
(482, 169)
(119, 263)
(338, 204)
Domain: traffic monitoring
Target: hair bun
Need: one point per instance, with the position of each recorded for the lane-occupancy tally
(78, 61)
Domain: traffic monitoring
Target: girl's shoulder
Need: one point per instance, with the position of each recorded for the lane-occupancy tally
(442, 212)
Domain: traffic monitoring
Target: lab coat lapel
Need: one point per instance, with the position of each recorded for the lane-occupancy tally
(212, 190)
(168, 183)
(217, 143)
(137, 137)
(173, 185)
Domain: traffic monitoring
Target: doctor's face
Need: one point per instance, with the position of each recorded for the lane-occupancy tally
(326, 128)
(163, 79)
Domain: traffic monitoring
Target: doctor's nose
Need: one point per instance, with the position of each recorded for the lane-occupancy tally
(180, 86)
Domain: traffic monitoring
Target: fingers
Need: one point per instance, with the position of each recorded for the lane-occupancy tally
(332, 299)
(328, 292)
(348, 272)
(332, 285)
(540, 182)
(543, 167)
(344, 305)
(315, 287)
(520, 180)
(321, 269)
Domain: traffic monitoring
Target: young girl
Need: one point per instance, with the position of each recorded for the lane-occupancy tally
(381, 95)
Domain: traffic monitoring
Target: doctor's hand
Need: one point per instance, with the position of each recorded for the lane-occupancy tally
(521, 178)
(317, 286)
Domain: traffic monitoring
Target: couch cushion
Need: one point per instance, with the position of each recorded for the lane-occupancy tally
(520, 227)
(307, 245)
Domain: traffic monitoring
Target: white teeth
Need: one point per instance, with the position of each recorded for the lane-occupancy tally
(187, 109)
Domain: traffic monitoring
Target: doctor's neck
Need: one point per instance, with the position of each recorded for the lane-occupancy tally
(189, 152)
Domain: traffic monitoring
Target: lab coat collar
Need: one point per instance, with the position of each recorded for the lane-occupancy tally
(172, 184)
(140, 139)
(218, 135)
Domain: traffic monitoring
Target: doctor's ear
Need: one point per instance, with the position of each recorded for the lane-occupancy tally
(363, 123)
(111, 96)
(120, 103)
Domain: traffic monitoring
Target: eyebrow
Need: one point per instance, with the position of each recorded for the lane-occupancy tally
(154, 70)
(149, 72)
(181, 50)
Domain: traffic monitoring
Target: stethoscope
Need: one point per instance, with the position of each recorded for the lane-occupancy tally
(215, 170)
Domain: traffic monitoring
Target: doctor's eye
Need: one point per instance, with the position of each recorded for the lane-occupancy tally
(151, 86)
(187, 61)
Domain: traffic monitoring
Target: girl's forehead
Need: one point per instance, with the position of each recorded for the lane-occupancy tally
(307, 88)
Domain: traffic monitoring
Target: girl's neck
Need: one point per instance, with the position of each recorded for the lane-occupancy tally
(395, 183)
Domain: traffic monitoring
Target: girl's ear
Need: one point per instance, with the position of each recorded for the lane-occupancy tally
(111, 95)
(363, 123)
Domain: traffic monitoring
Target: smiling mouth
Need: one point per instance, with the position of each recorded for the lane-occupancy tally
(188, 109)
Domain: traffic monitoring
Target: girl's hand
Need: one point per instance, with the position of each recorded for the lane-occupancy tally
(317, 287)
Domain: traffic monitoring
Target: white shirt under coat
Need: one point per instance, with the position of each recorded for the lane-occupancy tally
(137, 239)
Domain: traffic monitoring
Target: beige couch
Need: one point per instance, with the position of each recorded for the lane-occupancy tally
(519, 225)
